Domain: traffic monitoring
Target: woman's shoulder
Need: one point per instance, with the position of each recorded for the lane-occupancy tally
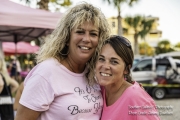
(48, 62)
(136, 91)
(44, 68)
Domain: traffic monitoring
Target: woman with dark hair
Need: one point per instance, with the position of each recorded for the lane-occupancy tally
(123, 98)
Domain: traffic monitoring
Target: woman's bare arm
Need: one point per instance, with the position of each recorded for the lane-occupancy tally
(14, 85)
(24, 113)
(18, 95)
(1, 84)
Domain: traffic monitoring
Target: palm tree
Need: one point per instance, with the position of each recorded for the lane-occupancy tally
(141, 26)
(164, 46)
(43, 4)
(117, 4)
(146, 26)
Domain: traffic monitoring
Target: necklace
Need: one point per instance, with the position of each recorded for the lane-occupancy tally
(70, 65)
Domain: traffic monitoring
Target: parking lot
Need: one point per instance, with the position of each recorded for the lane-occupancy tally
(169, 108)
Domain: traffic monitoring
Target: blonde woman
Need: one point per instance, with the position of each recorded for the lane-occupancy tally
(60, 87)
(13, 84)
(9, 87)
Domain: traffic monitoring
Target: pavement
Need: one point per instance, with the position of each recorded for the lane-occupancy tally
(169, 108)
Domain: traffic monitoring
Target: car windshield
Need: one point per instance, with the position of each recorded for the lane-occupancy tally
(135, 61)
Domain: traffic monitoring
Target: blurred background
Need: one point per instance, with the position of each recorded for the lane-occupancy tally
(152, 26)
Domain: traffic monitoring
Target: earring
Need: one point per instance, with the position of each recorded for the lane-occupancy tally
(125, 76)
(64, 54)
(64, 51)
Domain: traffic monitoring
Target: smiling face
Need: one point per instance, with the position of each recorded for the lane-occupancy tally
(83, 42)
(110, 68)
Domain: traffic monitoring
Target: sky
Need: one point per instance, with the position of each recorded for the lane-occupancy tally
(168, 12)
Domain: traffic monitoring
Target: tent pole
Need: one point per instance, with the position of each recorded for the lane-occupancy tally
(1, 50)
(15, 41)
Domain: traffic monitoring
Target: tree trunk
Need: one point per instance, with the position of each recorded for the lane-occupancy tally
(120, 30)
(136, 47)
(1, 50)
(145, 47)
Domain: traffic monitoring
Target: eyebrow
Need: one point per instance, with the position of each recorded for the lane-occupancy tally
(101, 56)
(115, 59)
(111, 58)
(95, 30)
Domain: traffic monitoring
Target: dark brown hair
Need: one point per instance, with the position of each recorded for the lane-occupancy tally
(122, 47)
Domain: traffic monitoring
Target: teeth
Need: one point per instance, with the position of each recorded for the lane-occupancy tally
(85, 48)
(104, 74)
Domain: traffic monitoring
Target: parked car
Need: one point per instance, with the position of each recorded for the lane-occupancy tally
(167, 82)
(137, 58)
(145, 70)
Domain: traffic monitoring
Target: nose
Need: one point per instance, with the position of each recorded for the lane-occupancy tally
(86, 37)
(106, 65)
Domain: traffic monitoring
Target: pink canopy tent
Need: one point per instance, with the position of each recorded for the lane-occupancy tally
(22, 23)
(22, 48)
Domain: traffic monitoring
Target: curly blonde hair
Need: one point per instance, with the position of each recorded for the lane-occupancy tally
(76, 16)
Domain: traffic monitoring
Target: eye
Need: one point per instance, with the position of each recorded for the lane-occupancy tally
(94, 34)
(114, 62)
(80, 32)
(101, 59)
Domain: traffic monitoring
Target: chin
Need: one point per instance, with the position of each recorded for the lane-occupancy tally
(85, 56)
(102, 83)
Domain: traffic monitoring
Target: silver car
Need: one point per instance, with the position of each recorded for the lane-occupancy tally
(145, 70)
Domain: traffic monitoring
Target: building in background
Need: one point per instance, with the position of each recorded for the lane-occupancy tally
(152, 38)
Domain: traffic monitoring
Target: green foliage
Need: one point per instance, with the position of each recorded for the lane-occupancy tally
(146, 26)
(62, 2)
(177, 45)
(43, 4)
(133, 21)
(164, 46)
(28, 2)
(146, 49)
(117, 4)
(141, 25)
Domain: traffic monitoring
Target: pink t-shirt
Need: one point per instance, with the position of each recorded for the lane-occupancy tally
(60, 93)
(134, 104)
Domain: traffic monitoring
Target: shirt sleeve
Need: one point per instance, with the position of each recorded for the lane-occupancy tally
(144, 107)
(37, 94)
